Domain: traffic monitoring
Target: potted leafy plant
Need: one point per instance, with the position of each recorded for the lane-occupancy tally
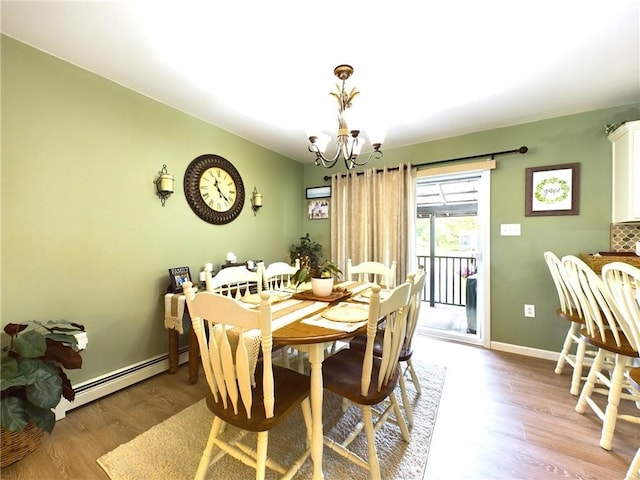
(312, 269)
(308, 251)
(32, 376)
(321, 277)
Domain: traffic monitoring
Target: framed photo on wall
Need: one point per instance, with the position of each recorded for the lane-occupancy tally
(318, 209)
(179, 275)
(552, 190)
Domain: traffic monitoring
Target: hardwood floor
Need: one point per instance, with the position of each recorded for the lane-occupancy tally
(506, 416)
(502, 416)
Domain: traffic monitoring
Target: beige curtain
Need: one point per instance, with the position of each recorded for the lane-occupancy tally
(373, 218)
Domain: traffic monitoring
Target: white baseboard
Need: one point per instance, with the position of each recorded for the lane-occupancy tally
(526, 351)
(112, 382)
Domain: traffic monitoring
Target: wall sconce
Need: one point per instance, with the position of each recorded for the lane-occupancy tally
(164, 184)
(256, 201)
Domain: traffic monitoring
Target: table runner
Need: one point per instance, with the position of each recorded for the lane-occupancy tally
(174, 305)
(173, 311)
(282, 314)
(292, 313)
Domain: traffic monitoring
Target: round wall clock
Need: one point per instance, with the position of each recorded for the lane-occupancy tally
(214, 189)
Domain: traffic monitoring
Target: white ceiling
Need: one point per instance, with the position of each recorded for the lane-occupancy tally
(263, 70)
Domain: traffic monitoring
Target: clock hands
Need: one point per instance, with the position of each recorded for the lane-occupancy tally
(220, 191)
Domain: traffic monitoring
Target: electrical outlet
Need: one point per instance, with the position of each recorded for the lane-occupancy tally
(529, 310)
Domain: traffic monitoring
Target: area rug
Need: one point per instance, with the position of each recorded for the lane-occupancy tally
(171, 450)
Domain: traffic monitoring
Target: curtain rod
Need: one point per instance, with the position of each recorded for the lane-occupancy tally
(521, 150)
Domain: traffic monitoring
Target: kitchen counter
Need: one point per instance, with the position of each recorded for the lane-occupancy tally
(597, 260)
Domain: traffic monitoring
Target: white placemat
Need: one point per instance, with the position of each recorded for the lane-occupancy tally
(365, 297)
(319, 321)
(275, 297)
(347, 313)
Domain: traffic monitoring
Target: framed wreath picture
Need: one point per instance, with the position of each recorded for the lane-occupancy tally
(552, 190)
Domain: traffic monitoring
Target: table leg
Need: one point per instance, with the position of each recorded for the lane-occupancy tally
(194, 357)
(174, 337)
(316, 356)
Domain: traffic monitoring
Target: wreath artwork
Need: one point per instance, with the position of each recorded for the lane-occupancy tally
(552, 190)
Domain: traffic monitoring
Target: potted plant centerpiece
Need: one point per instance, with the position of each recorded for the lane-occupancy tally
(312, 269)
(320, 276)
(33, 380)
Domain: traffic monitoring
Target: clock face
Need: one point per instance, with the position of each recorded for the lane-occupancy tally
(214, 189)
(218, 189)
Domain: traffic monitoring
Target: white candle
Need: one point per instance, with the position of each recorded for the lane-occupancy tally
(208, 267)
(203, 276)
(231, 257)
(166, 183)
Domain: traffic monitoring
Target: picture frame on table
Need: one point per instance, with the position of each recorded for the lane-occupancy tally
(179, 275)
(318, 192)
(552, 190)
(318, 209)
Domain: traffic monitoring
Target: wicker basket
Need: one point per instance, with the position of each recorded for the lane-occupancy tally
(17, 445)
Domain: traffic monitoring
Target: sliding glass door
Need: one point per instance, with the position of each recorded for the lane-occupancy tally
(452, 232)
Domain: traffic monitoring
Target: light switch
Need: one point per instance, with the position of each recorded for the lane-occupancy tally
(510, 229)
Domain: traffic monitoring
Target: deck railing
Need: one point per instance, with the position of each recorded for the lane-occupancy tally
(445, 282)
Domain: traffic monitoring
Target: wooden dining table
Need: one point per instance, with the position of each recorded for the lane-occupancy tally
(298, 322)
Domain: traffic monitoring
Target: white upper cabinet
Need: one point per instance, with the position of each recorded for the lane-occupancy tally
(626, 173)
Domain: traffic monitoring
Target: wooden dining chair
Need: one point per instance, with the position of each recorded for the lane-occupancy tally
(607, 329)
(235, 282)
(623, 281)
(375, 272)
(634, 468)
(570, 311)
(277, 275)
(249, 395)
(367, 380)
(408, 372)
(417, 281)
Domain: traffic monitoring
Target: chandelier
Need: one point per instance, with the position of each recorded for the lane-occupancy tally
(349, 143)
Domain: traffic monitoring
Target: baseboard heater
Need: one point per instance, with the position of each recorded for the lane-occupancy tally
(117, 380)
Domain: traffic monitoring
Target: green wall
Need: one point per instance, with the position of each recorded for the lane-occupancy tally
(517, 269)
(84, 237)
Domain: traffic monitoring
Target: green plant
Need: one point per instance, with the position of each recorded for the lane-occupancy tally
(32, 376)
(326, 269)
(308, 251)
